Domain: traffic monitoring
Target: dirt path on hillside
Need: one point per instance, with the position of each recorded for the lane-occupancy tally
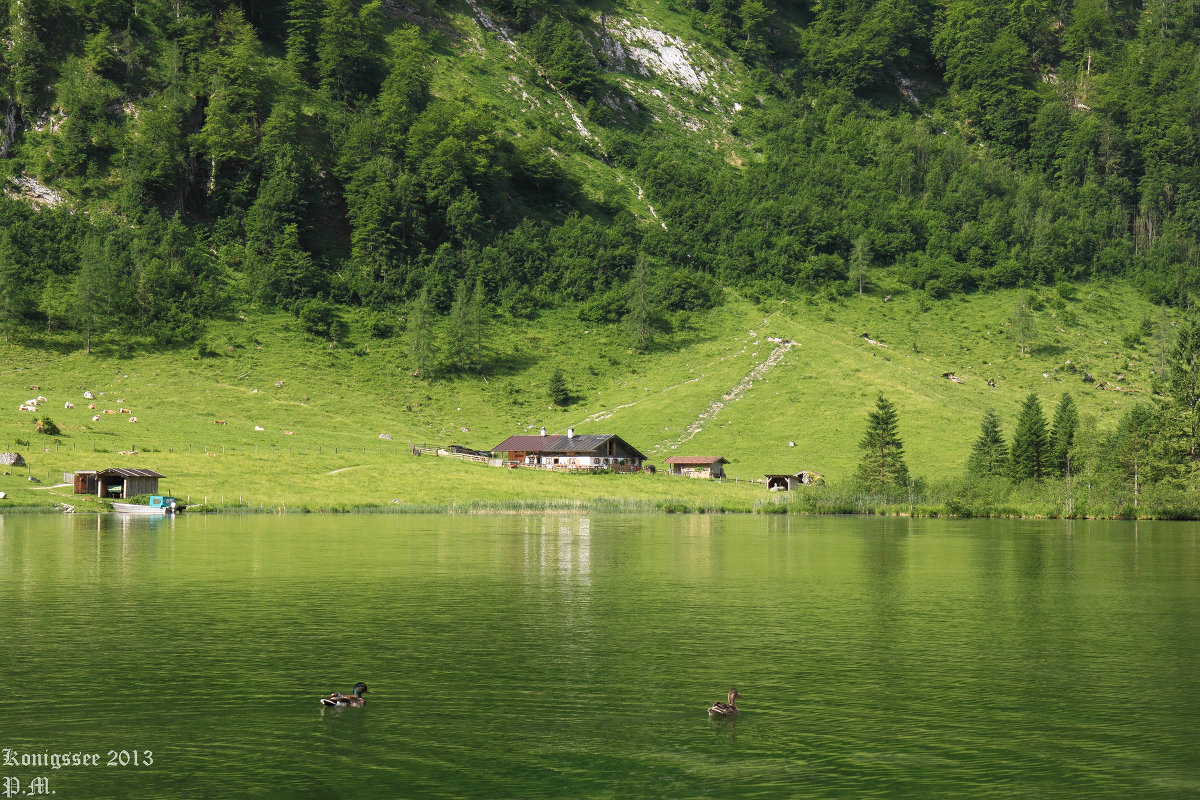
(734, 394)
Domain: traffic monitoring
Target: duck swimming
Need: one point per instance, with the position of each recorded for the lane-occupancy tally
(355, 700)
(725, 709)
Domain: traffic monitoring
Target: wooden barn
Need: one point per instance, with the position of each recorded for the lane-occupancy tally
(118, 483)
(697, 466)
(571, 452)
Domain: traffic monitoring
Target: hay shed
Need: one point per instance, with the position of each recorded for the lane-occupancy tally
(120, 483)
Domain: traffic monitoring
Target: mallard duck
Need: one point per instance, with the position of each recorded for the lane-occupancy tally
(355, 700)
(725, 709)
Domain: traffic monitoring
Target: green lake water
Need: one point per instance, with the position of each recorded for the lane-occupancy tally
(575, 656)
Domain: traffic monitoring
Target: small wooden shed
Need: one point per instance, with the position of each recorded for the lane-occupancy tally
(785, 483)
(124, 482)
(697, 466)
(85, 481)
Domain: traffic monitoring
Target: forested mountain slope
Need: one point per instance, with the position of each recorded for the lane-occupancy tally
(275, 151)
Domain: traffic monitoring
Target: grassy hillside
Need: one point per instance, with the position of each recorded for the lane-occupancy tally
(712, 390)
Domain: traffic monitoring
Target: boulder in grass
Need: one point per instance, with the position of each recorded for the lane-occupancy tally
(386, 436)
(12, 460)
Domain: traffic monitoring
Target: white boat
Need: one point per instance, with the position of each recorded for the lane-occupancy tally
(159, 506)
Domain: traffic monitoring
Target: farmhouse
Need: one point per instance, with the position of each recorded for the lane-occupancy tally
(117, 482)
(697, 466)
(571, 452)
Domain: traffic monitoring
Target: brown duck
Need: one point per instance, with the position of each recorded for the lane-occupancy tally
(355, 700)
(726, 709)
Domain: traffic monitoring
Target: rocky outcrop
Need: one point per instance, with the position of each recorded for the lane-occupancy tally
(12, 460)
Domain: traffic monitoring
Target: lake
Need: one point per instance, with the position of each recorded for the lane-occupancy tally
(575, 656)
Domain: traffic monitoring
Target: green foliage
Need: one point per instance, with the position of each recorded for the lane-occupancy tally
(1062, 437)
(1029, 455)
(424, 348)
(882, 467)
(46, 425)
(989, 455)
(564, 55)
(322, 318)
(557, 390)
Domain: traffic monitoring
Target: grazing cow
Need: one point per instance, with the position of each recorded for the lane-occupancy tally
(222, 422)
(68, 405)
(91, 405)
(96, 418)
(126, 411)
(41, 399)
(109, 411)
(133, 419)
(287, 433)
(89, 396)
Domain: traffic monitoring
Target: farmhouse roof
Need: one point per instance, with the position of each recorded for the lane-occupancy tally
(579, 443)
(697, 460)
(126, 472)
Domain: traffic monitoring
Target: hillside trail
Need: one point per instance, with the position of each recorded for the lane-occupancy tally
(782, 346)
(714, 407)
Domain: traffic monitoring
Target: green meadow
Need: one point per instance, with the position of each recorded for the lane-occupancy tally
(715, 386)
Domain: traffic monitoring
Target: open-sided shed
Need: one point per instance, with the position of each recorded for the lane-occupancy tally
(124, 482)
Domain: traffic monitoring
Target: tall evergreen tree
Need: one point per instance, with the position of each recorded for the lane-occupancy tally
(424, 350)
(460, 349)
(989, 454)
(1031, 444)
(93, 288)
(1062, 435)
(557, 389)
(12, 285)
(303, 27)
(882, 466)
(641, 310)
(477, 323)
(350, 49)
(1183, 379)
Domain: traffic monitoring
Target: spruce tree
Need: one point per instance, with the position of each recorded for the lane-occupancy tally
(1183, 380)
(461, 347)
(423, 348)
(1031, 444)
(477, 322)
(882, 466)
(1062, 436)
(641, 311)
(12, 285)
(989, 455)
(557, 389)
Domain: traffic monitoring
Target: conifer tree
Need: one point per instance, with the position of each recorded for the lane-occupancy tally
(557, 389)
(423, 348)
(1030, 445)
(1062, 436)
(641, 311)
(1183, 380)
(882, 466)
(460, 347)
(93, 287)
(989, 454)
(12, 295)
(477, 324)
